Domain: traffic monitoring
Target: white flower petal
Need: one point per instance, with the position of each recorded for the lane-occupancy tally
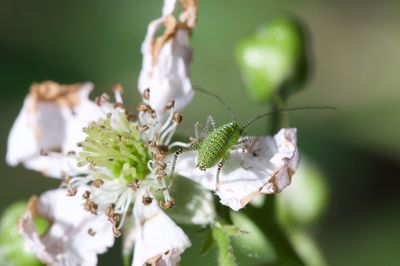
(51, 120)
(168, 7)
(166, 59)
(158, 239)
(266, 167)
(67, 241)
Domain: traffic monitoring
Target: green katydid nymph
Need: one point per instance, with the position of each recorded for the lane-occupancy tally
(216, 147)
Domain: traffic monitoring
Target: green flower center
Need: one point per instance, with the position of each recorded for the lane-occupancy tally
(117, 147)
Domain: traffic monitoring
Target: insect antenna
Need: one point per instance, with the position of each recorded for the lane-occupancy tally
(197, 88)
(245, 125)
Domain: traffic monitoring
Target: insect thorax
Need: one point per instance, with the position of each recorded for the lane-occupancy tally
(217, 144)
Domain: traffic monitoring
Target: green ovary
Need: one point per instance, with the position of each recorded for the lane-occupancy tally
(118, 148)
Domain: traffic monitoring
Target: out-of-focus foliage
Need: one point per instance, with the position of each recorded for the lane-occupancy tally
(251, 243)
(303, 202)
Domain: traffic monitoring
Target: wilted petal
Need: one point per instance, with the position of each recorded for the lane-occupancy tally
(50, 123)
(166, 58)
(158, 239)
(266, 167)
(67, 241)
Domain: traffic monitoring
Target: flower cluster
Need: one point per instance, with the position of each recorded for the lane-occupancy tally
(114, 165)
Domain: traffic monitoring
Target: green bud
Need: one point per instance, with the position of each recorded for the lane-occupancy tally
(12, 249)
(305, 199)
(274, 59)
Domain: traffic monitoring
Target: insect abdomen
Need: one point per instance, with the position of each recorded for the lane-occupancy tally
(217, 144)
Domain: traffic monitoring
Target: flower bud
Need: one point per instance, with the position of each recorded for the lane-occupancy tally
(274, 59)
(14, 251)
(304, 201)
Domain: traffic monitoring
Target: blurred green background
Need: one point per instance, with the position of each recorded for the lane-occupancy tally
(355, 49)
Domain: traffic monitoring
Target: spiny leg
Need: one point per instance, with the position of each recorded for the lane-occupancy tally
(180, 150)
(210, 121)
(171, 178)
(206, 128)
(200, 131)
(220, 165)
(245, 140)
(241, 145)
(196, 130)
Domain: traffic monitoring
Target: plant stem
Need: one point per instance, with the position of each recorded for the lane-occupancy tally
(224, 246)
(221, 237)
(268, 224)
(279, 118)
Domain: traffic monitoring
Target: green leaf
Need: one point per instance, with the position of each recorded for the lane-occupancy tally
(209, 240)
(307, 248)
(252, 243)
(273, 59)
(265, 219)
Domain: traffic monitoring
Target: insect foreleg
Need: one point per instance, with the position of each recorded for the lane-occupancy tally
(245, 140)
(196, 130)
(200, 131)
(206, 128)
(220, 165)
(171, 178)
(210, 121)
(242, 145)
(180, 150)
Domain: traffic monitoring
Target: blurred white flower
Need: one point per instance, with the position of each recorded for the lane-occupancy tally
(118, 162)
(266, 167)
(49, 125)
(68, 235)
(166, 58)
